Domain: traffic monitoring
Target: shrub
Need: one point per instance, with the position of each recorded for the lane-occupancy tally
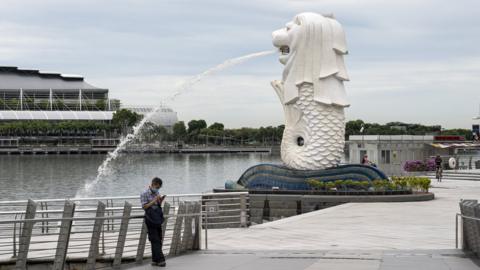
(419, 165)
(412, 182)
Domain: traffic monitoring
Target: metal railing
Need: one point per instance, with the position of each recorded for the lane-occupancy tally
(96, 230)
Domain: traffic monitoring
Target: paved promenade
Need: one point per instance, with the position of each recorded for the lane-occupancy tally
(360, 226)
(357, 236)
(327, 260)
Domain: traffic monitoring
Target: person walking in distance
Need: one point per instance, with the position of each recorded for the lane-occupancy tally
(152, 204)
(438, 168)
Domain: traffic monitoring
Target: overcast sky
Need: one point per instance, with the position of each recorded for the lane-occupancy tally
(410, 60)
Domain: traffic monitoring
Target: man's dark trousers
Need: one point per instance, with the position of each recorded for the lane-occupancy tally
(156, 241)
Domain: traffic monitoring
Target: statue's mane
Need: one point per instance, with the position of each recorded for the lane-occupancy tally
(317, 50)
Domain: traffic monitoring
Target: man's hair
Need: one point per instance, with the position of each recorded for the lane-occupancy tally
(157, 180)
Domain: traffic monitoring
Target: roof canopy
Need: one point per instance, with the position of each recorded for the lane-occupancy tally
(55, 115)
(15, 78)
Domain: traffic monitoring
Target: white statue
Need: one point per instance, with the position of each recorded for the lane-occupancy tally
(311, 91)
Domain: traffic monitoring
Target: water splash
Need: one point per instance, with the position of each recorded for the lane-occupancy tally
(104, 169)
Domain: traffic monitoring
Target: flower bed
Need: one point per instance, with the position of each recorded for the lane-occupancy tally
(419, 165)
(397, 184)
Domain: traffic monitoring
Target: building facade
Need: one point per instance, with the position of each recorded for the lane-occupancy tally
(27, 94)
(390, 152)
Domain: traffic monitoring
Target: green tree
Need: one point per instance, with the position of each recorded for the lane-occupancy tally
(216, 126)
(100, 105)
(179, 131)
(125, 119)
(194, 126)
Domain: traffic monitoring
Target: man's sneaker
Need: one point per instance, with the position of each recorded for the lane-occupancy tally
(160, 264)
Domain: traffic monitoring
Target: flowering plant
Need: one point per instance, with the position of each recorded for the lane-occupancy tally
(419, 165)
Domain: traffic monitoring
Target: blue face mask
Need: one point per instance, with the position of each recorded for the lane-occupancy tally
(154, 190)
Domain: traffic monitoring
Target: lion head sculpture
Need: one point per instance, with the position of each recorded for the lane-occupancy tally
(312, 48)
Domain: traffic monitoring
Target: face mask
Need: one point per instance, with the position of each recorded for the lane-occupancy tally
(154, 190)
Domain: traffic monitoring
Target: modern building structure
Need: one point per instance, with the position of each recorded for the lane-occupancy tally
(390, 152)
(27, 94)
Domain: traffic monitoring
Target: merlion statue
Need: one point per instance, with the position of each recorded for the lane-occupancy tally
(311, 91)
(313, 98)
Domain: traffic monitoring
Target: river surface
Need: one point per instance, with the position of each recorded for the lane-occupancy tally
(61, 176)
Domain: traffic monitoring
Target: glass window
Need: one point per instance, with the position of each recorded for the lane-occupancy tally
(386, 156)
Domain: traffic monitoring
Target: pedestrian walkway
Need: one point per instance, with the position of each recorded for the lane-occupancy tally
(353, 236)
(360, 226)
(327, 260)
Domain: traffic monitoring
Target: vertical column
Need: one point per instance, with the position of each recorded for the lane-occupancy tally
(80, 98)
(64, 235)
(94, 243)
(50, 99)
(122, 235)
(21, 99)
(26, 236)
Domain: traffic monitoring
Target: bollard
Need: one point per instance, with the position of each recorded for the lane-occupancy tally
(26, 236)
(94, 242)
(64, 236)
(122, 235)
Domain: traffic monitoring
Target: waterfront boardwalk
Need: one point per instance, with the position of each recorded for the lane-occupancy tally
(411, 235)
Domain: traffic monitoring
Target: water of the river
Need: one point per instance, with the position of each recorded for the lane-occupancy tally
(61, 176)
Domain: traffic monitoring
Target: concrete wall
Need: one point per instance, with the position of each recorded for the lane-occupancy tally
(268, 207)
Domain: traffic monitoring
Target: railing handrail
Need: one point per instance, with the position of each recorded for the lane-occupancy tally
(125, 197)
(468, 217)
(36, 220)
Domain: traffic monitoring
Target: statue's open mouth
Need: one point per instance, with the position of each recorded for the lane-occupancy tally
(285, 50)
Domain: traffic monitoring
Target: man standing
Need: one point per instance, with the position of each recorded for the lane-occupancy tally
(152, 204)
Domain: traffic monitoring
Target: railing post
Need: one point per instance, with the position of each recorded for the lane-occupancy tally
(177, 230)
(64, 235)
(187, 229)
(94, 242)
(243, 210)
(198, 226)
(456, 231)
(15, 238)
(166, 212)
(476, 214)
(142, 241)
(26, 236)
(122, 235)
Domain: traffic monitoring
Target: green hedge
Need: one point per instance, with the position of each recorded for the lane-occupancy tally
(419, 184)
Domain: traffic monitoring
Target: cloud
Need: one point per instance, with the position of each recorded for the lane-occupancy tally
(404, 52)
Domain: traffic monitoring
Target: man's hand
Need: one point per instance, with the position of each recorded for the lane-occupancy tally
(160, 198)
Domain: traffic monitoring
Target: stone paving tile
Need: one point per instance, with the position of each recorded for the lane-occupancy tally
(342, 264)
